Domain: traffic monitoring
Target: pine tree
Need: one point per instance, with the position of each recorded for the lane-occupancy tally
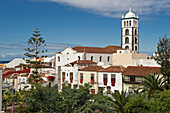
(35, 50)
(163, 56)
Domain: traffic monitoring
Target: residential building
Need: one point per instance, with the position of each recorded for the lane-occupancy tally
(89, 75)
(134, 75)
(110, 79)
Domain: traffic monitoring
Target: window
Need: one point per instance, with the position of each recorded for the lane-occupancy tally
(92, 78)
(136, 40)
(132, 78)
(105, 79)
(100, 59)
(124, 23)
(135, 32)
(126, 40)
(108, 58)
(113, 79)
(81, 78)
(127, 32)
(136, 48)
(71, 77)
(129, 23)
(127, 47)
(63, 76)
(58, 59)
(91, 58)
(78, 57)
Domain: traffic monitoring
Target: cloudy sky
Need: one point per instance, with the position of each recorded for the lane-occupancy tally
(78, 22)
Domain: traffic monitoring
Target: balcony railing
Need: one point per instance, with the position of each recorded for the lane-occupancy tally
(132, 82)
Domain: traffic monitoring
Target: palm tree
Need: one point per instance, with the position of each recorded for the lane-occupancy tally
(153, 82)
(120, 100)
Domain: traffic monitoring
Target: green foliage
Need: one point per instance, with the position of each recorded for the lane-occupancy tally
(42, 99)
(153, 82)
(120, 100)
(160, 102)
(6, 99)
(137, 104)
(163, 56)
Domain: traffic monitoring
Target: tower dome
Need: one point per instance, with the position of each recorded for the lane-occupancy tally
(129, 14)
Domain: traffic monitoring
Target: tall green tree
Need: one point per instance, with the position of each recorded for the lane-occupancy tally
(163, 56)
(35, 50)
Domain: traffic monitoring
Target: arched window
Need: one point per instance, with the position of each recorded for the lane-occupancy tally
(58, 59)
(136, 48)
(135, 32)
(126, 40)
(91, 58)
(78, 57)
(127, 47)
(124, 23)
(108, 58)
(136, 40)
(100, 59)
(127, 32)
(129, 23)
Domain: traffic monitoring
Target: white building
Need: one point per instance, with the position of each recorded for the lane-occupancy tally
(15, 62)
(110, 78)
(130, 32)
(96, 54)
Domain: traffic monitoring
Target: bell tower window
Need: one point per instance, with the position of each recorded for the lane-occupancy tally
(126, 40)
(127, 32)
(127, 47)
(129, 23)
(135, 32)
(136, 40)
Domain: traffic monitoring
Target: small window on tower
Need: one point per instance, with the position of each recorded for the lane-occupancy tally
(136, 40)
(124, 24)
(135, 32)
(127, 47)
(126, 40)
(129, 23)
(127, 32)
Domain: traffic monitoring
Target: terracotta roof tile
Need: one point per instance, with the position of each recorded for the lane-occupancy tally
(109, 49)
(83, 62)
(141, 70)
(113, 69)
(92, 68)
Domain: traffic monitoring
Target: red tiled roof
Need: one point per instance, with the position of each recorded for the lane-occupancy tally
(83, 62)
(92, 68)
(141, 70)
(109, 49)
(13, 72)
(113, 69)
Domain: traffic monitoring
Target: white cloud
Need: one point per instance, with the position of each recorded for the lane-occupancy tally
(115, 8)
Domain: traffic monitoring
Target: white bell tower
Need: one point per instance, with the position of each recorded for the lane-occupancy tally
(130, 32)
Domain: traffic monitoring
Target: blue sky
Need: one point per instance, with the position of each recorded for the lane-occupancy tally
(78, 22)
